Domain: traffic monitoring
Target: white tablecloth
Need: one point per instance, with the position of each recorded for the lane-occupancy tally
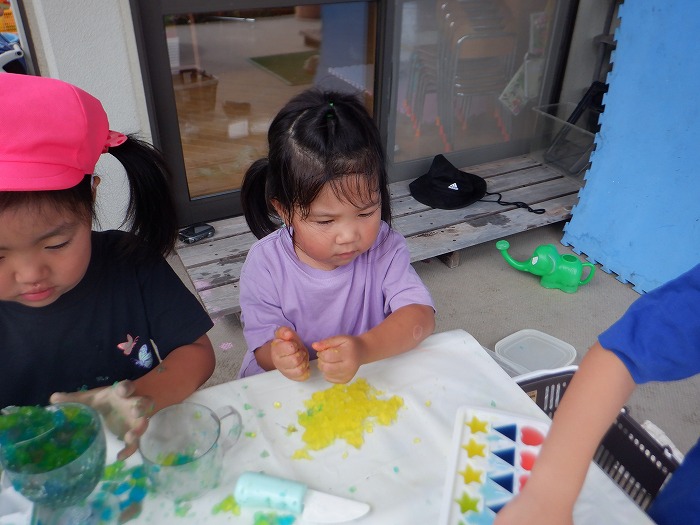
(400, 469)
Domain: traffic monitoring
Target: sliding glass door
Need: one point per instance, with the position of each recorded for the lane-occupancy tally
(458, 77)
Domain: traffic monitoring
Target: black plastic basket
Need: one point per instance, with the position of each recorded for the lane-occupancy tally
(546, 387)
(627, 453)
(637, 462)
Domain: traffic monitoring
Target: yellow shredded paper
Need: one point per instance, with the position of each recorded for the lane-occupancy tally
(344, 412)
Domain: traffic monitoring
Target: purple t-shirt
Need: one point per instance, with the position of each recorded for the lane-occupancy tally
(277, 289)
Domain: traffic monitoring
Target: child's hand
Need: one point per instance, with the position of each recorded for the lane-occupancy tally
(289, 355)
(124, 414)
(339, 357)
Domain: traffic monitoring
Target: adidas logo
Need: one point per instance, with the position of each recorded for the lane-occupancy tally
(453, 186)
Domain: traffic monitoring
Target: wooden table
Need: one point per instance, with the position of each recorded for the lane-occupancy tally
(400, 469)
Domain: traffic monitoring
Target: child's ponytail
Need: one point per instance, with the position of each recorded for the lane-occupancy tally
(254, 199)
(150, 214)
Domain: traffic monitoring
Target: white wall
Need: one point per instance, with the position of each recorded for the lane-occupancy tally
(91, 43)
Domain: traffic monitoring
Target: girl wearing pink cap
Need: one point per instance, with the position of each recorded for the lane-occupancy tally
(88, 316)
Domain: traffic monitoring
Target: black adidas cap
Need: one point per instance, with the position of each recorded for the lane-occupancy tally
(447, 187)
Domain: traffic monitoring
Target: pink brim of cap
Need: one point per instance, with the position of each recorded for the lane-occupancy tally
(23, 177)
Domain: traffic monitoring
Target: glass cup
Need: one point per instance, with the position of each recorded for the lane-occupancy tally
(61, 464)
(183, 448)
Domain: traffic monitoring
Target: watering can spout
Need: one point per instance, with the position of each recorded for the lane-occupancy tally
(503, 246)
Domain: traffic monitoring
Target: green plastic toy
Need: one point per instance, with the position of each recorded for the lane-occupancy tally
(556, 270)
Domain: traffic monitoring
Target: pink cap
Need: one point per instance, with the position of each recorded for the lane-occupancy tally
(52, 133)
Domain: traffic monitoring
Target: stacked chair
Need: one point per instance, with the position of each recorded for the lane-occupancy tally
(473, 58)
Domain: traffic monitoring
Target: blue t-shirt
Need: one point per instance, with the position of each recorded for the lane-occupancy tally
(658, 339)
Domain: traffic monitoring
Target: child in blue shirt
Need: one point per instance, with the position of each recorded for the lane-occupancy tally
(657, 339)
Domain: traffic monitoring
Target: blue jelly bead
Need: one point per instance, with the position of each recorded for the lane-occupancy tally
(137, 494)
(122, 488)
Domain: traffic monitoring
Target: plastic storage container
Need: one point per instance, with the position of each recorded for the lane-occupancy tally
(511, 368)
(547, 387)
(535, 350)
(561, 144)
(635, 460)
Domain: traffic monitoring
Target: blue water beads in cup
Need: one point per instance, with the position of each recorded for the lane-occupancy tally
(54, 456)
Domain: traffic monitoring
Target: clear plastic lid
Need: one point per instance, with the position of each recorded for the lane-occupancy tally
(536, 350)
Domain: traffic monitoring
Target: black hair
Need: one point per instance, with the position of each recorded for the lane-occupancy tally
(318, 137)
(76, 200)
(150, 214)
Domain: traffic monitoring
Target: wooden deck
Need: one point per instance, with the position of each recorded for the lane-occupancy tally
(214, 265)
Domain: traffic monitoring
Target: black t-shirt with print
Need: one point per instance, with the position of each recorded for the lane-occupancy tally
(101, 331)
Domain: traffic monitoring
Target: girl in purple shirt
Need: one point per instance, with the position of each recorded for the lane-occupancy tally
(335, 282)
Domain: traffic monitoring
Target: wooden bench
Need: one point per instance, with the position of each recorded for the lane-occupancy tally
(214, 265)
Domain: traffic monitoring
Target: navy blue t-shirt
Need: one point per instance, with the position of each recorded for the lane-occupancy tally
(99, 332)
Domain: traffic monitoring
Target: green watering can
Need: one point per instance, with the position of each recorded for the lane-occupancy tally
(557, 270)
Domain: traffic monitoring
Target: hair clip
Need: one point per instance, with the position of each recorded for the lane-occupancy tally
(114, 138)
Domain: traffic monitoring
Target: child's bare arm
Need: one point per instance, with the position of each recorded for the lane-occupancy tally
(401, 331)
(182, 372)
(597, 391)
(341, 356)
